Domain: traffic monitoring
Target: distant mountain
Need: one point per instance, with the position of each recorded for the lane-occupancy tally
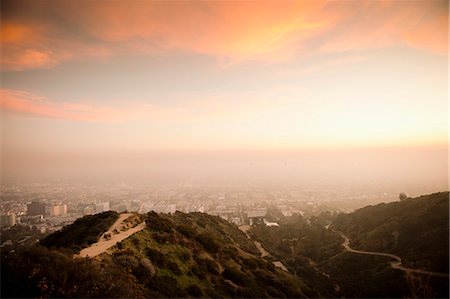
(416, 229)
(178, 255)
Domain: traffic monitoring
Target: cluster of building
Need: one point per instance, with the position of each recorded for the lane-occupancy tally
(50, 206)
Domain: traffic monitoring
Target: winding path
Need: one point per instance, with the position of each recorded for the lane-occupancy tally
(105, 243)
(394, 264)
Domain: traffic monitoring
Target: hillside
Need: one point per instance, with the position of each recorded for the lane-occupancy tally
(416, 229)
(178, 255)
(83, 232)
(199, 255)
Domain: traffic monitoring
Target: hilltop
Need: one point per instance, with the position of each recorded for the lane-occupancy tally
(178, 255)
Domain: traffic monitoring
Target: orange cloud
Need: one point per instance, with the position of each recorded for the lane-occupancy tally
(206, 108)
(432, 35)
(31, 46)
(419, 24)
(23, 47)
(29, 104)
(228, 30)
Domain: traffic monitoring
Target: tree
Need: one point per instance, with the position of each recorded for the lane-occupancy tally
(402, 196)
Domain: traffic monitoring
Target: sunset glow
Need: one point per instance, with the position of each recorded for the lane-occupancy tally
(146, 76)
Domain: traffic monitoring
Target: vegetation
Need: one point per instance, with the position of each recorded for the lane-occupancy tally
(82, 232)
(416, 229)
(179, 255)
(39, 272)
(300, 244)
(20, 235)
(198, 255)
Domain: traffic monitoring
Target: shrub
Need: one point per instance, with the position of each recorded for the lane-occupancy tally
(194, 291)
(83, 232)
(168, 286)
(186, 230)
(207, 242)
(250, 263)
(158, 223)
(174, 268)
(235, 276)
(157, 257)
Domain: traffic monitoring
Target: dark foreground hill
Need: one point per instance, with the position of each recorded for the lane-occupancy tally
(179, 255)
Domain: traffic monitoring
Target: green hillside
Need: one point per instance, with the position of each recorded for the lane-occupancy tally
(83, 232)
(179, 255)
(421, 241)
(199, 255)
(415, 229)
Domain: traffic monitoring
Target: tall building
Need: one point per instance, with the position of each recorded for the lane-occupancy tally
(36, 208)
(8, 220)
(58, 210)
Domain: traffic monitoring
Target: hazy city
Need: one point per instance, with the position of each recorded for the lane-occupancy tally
(224, 149)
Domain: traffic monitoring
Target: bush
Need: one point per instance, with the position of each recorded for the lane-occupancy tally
(157, 257)
(250, 263)
(168, 286)
(235, 276)
(207, 242)
(200, 272)
(83, 232)
(174, 268)
(186, 230)
(194, 291)
(157, 223)
(163, 237)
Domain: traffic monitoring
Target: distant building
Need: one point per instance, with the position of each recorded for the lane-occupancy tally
(8, 220)
(286, 213)
(58, 210)
(270, 224)
(102, 207)
(88, 210)
(256, 216)
(235, 220)
(36, 208)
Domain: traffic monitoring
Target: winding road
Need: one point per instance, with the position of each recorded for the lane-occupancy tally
(397, 264)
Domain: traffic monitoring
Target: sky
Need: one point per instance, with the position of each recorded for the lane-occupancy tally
(155, 85)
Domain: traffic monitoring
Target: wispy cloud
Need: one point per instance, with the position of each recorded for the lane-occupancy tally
(214, 107)
(26, 103)
(230, 31)
(377, 24)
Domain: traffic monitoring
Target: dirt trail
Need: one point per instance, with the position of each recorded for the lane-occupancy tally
(395, 264)
(116, 236)
(261, 249)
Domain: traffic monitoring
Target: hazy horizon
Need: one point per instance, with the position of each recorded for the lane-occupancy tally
(293, 92)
